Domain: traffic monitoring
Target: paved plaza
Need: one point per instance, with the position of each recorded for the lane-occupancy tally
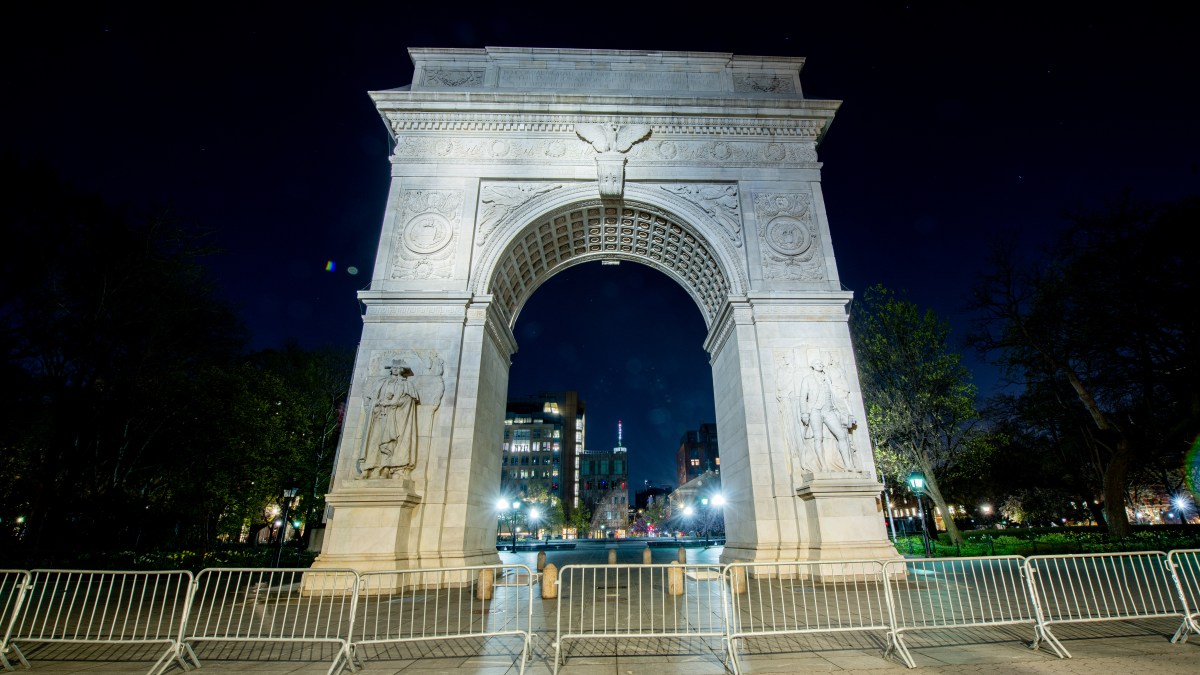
(1119, 647)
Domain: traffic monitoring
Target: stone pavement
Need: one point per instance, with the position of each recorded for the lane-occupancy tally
(1117, 647)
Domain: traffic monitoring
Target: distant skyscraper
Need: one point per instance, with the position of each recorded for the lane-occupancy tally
(697, 453)
(543, 435)
(604, 484)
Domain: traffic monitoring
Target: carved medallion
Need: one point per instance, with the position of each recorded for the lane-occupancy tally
(788, 232)
(424, 247)
(427, 233)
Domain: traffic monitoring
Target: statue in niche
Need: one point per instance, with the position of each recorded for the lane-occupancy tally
(395, 405)
(825, 410)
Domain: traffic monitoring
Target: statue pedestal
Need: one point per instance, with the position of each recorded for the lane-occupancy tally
(372, 518)
(845, 518)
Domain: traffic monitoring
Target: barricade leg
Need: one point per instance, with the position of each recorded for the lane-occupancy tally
(15, 650)
(895, 645)
(1186, 628)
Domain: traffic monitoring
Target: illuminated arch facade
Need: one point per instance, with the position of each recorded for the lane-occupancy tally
(510, 165)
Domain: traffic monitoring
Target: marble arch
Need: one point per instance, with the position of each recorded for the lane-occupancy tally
(511, 164)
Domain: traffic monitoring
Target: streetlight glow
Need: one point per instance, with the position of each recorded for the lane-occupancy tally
(718, 499)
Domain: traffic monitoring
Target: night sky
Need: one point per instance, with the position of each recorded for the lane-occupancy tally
(962, 123)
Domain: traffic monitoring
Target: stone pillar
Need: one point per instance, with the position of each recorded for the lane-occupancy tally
(438, 512)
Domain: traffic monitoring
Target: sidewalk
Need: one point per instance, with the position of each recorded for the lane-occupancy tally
(1119, 647)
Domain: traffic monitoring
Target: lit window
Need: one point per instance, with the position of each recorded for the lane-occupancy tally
(717, 460)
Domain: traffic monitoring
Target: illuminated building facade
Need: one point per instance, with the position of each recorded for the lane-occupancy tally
(697, 453)
(604, 485)
(543, 434)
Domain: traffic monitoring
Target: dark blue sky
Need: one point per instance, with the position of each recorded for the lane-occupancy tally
(961, 123)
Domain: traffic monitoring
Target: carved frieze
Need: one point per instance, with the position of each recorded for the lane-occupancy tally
(425, 239)
(498, 200)
(788, 152)
(720, 202)
(790, 246)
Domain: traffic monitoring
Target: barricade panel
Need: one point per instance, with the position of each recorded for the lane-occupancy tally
(939, 593)
(790, 598)
(13, 584)
(274, 605)
(453, 603)
(1099, 587)
(1185, 567)
(106, 607)
(639, 601)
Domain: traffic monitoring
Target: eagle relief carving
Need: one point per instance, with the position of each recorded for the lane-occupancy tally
(611, 142)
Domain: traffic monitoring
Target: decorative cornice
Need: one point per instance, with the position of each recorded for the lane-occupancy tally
(532, 123)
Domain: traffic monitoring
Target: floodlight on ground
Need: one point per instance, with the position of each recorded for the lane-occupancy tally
(985, 509)
(718, 499)
(534, 515)
(687, 510)
(502, 505)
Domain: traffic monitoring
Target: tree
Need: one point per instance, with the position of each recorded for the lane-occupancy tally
(1102, 323)
(105, 319)
(581, 520)
(919, 397)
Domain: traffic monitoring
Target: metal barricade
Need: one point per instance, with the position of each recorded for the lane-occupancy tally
(639, 601)
(105, 607)
(793, 598)
(303, 606)
(940, 593)
(1185, 568)
(1099, 587)
(451, 603)
(13, 584)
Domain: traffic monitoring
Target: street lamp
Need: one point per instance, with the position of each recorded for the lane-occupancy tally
(534, 514)
(502, 506)
(916, 481)
(288, 495)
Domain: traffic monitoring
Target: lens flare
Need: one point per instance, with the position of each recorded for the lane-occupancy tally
(330, 266)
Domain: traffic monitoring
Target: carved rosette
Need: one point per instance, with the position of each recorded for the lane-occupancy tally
(789, 239)
(425, 243)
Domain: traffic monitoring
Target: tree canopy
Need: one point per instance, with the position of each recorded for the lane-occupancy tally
(133, 416)
(1101, 335)
(919, 396)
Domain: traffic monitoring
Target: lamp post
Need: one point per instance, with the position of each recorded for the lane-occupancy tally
(916, 481)
(502, 506)
(534, 514)
(288, 495)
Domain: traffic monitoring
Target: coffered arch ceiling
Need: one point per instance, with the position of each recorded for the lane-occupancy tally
(595, 230)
